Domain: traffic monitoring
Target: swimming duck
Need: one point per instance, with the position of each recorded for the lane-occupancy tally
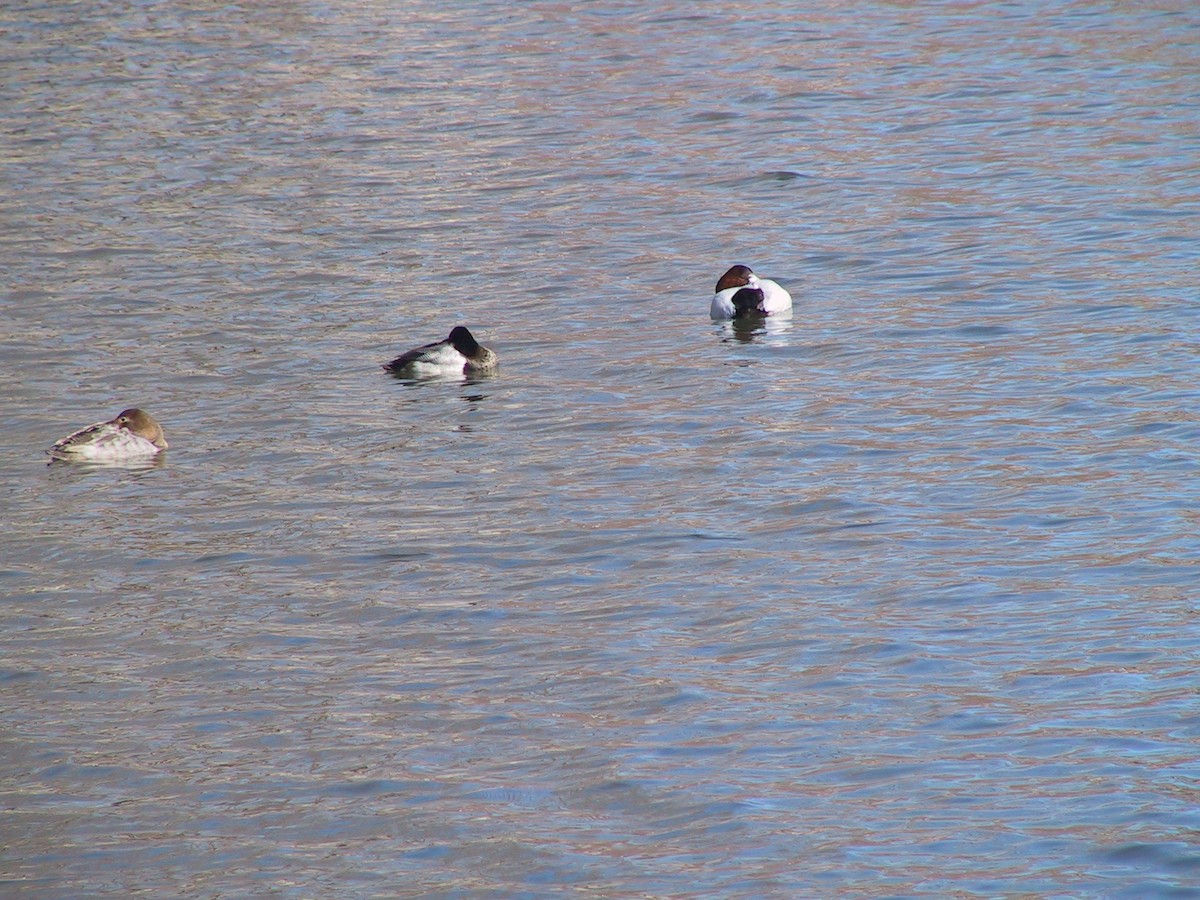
(133, 433)
(459, 353)
(742, 293)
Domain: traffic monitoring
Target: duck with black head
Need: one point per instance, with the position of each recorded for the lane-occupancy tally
(459, 354)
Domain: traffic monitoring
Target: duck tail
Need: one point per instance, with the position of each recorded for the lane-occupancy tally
(748, 302)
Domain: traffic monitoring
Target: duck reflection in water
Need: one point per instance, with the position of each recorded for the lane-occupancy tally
(748, 329)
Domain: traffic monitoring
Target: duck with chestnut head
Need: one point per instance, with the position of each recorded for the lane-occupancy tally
(740, 293)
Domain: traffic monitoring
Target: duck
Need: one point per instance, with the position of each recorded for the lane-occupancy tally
(458, 354)
(132, 434)
(741, 293)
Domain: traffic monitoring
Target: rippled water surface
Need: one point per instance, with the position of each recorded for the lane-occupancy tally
(897, 597)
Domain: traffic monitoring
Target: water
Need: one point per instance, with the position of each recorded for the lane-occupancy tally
(895, 598)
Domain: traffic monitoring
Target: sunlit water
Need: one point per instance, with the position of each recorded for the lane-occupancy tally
(897, 597)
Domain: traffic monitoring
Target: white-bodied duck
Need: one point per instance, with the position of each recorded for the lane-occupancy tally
(133, 434)
(458, 354)
(741, 293)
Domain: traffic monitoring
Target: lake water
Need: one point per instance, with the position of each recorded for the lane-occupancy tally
(897, 597)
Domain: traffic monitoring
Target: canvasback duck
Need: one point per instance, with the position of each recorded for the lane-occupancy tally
(132, 434)
(459, 354)
(742, 293)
